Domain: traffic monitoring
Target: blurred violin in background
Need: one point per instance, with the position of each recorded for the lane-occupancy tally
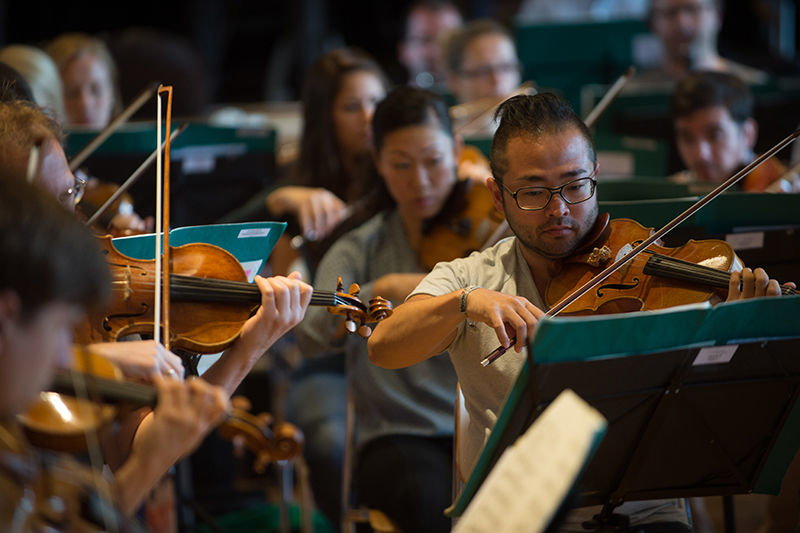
(118, 220)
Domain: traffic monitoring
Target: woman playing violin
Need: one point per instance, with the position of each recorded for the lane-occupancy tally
(544, 168)
(404, 418)
(340, 92)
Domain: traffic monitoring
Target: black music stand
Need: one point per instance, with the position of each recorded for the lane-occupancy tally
(682, 422)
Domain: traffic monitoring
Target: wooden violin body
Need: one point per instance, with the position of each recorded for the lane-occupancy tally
(88, 398)
(44, 491)
(467, 221)
(210, 300)
(61, 422)
(635, 287)
(198, 323)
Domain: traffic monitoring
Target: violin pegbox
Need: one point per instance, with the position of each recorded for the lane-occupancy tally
(356, 314)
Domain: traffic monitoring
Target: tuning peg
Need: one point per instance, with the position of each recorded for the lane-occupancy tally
(365, 331)
(350, 325)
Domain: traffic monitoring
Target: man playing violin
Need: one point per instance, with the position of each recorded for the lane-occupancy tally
(544, 167)
(715, 134)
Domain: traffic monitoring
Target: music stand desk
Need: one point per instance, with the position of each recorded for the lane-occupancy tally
(700, 401)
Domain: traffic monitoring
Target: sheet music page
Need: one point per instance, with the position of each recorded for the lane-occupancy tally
(532, 477)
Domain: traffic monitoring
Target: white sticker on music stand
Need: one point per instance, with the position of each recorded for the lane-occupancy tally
(745, 241)
(249, 233)
(715, 355)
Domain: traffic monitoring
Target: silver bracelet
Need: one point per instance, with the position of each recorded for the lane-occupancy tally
(463, 297)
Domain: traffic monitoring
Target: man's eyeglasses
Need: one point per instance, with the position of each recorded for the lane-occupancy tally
(485, 71)
(536, 198)
(74, 194)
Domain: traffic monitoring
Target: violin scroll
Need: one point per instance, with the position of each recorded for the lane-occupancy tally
(356, 314)
(269, 441)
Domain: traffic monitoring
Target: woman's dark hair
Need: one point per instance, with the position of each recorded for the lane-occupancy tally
(404, 107)
(319, 162)
(409, 106)
(47, 254)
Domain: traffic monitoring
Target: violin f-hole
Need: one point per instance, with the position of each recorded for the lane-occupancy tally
(107, 319)
(617, 287)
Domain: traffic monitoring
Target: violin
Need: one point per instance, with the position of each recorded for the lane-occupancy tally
(642, 246)
(764, 176)
(87, 398)
(659, 278)
(44, 491)
(97, 193)
(652, 281)
(467, 221)
(53, 492)
(211, 300)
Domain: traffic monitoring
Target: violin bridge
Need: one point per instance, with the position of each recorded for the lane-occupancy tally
(125, 283)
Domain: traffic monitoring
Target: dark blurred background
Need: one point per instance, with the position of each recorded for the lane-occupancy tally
(254, 51)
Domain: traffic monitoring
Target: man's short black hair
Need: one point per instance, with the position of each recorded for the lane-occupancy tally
(533, 116)
(704, 89)
(46, 254)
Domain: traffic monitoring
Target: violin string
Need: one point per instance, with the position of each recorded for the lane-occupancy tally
(686, 271)
(93, 449)
(709, 275)
(230, 285)
(104, 388)
(246, 293)
(316, 300)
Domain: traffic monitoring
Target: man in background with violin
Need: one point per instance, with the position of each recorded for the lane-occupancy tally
(544, 181)
(715, 134)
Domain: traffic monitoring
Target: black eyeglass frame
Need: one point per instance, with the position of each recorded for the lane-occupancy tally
(552, 191)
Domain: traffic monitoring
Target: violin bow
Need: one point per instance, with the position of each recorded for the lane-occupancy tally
(656, 235)
(590, 119)
(113, 126)
(134, 177)
(34, 166)
(485, 106)
(607, 98)
(162, 254)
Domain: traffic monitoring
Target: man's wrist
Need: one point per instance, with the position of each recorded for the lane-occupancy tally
(462, 299)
